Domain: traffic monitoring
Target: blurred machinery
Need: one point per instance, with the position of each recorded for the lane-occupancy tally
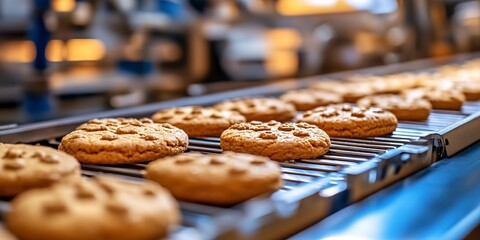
(148, 50)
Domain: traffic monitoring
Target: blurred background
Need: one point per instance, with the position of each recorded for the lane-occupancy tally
(61, 58)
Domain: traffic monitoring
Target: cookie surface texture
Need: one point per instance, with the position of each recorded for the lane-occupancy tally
(24, 167)
(221, 179)
(260, 109)
(94, 209)
(343, 120)
(112, 141)
(198, 121)
(280, 142)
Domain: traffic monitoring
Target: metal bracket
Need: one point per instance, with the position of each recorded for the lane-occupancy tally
(369, 177)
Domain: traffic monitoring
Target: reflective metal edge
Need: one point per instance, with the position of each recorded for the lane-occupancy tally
(369, 177)
(286, 213)
(458, 135)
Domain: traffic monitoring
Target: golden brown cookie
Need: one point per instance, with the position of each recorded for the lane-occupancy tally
(350, 91)
(112, 141)
(280, 142)
(403, 108)
(439, 98)
(198, 121)
(260, 109)
(97, 209)
(24, 167)
(393, 83)
(343, 120)
(307, 99)
(221, 179)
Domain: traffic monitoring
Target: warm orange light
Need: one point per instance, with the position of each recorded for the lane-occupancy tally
(283, 38)
(85, 50)
(63, 5)
(17, 51)
(55, 51)
(305, 7)
(280, 63)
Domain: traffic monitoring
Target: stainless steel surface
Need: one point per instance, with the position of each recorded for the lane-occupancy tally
(440, 202)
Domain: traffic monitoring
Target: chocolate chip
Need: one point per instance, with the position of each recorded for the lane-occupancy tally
(149, 192)
(196, 110)
(179, 111)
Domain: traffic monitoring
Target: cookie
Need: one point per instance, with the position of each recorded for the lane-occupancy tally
(403, 108)
(111, 141)
(5, 235)
(220, 179)
(95, 209)
(24, 167)
(471, 89)
(308, 98)
(343, 120)
(388, 84)
(260, 109)
(198, 121)
(350, 91)
(439, 98)
(280, 142)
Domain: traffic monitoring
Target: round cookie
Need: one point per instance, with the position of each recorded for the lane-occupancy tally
(350, 91)
(198, 121)
(280, 142)
(95, 209)
(403, 108)
(307, 99)
(112, 141)
(439, 98)
(24, 167)
(221, 179)
(260, 109)
(343, 120)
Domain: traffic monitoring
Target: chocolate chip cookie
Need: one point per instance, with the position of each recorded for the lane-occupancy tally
(123, 140)
(343, 120)
(221, 179)
(280, 142)
(308, 99)
(198, 121)
(97, 209)
(403, 108)
(260, 109)
(24, 167)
